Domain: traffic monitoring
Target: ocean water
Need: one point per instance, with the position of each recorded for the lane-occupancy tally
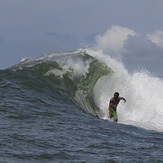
(54, 109)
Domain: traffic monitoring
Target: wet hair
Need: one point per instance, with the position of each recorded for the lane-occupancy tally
(116, 93)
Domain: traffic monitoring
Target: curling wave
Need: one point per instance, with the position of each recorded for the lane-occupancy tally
(89, 78)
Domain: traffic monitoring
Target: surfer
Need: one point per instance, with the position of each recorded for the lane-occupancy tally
(114, 101)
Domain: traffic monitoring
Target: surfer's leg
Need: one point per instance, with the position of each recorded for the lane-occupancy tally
(110, 113)
(115, 116)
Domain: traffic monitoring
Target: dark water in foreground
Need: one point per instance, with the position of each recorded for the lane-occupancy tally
(40, 121)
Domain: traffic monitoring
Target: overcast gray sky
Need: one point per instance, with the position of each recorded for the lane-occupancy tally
(131, 29)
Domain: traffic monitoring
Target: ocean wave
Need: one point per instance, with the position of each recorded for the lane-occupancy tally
(89, 78)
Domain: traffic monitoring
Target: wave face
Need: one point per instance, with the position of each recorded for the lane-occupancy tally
(88, 79)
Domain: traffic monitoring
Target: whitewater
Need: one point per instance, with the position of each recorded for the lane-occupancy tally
(54, 108)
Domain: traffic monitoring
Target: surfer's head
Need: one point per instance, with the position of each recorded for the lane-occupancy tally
(116, 94)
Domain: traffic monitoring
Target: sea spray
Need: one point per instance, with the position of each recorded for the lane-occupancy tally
(142, 91)
(145, 102)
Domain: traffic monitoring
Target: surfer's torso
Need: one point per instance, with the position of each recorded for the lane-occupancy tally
(114, 102)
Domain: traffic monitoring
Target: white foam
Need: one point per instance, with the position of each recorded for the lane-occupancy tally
(73, 65)
(144, 93)
(145, 102)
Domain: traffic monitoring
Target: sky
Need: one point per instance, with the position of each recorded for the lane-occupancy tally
(130, 30)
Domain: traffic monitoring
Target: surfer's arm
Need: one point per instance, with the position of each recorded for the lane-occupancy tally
(122, 98)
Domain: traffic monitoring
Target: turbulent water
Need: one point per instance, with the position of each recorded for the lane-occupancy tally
(54, 109)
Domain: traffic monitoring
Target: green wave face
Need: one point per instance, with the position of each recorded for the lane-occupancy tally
(74, 74)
